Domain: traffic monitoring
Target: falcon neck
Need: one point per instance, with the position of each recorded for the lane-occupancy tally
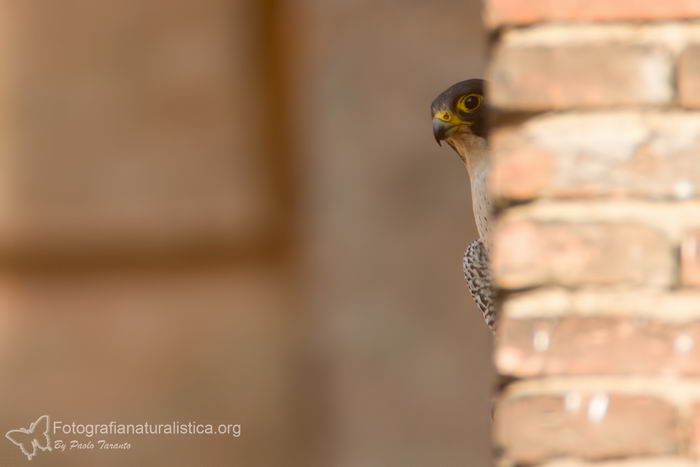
(473, 151)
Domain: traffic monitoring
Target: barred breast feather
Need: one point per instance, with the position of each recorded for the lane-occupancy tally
(478, 276)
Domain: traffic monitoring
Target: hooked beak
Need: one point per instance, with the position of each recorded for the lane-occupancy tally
(442, 129)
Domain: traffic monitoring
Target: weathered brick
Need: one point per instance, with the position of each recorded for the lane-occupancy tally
(690, 258)
(633, 462)
(578, 345)
(688, 73)
(695, 430)
(675, 305)
(522, 172)
(527, 254)
(670, 217)
(595, 154)
(589, 425)
(500, 12)
(560, 76)
(588, 129)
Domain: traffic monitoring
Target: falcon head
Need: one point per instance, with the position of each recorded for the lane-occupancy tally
(459, 117)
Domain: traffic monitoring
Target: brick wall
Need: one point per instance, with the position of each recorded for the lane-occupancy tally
(596, 148)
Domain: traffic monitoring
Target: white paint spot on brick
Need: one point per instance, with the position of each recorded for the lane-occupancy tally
(572, 401)
(655, 73)
(540, 341)
(508, 359)
(598, 407)
(683, 189)
(683, 343)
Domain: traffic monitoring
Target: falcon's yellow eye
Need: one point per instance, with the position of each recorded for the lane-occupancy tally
(469, 103)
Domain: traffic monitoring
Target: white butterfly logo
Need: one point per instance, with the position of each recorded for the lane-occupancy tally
(29, 439)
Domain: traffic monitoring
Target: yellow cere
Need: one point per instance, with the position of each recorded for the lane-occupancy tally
(446, 116)
(449, 117)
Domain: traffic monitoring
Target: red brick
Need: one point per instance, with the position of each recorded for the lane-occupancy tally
(688, 73)
(542, 77)
(695, 430)
(527, 254)
(500, 12)
(666, 461)
(521, 173)
(575, 345)
(589, 425)
(690, 258)
(595, 154)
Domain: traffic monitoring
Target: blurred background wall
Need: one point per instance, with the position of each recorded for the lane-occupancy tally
(234, 212)
(386, 217)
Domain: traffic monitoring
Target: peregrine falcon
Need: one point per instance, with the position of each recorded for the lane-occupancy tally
(459, 119)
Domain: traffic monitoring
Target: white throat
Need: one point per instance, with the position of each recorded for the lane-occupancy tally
(473, 151)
